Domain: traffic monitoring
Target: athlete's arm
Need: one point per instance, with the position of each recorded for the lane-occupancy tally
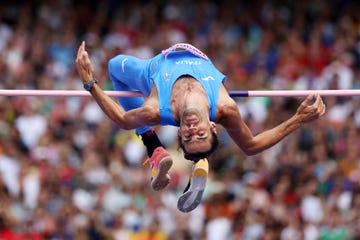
(127, 120)
(132, 119)
(250, 144)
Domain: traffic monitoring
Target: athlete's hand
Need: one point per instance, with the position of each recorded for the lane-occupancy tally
(307, 112)
(83, 64)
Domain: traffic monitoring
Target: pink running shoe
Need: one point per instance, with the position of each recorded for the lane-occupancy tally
(161, 163)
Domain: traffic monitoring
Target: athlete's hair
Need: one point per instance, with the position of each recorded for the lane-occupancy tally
(200, 155)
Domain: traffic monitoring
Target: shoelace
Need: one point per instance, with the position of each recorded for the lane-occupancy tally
(146, 162)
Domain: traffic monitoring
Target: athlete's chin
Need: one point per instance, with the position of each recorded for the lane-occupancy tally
(191, 115)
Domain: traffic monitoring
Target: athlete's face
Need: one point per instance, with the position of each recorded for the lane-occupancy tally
(196, 132)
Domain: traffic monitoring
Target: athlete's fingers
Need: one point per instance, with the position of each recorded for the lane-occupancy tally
(308, 99)
(80, 50)
(318, 100)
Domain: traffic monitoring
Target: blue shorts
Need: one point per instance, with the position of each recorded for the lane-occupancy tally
(129, 73)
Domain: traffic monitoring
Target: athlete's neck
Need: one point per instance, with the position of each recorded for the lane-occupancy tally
(193, 100)
(188, 94)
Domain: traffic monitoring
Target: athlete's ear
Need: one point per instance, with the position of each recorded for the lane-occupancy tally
(179, 132)
(213, 126)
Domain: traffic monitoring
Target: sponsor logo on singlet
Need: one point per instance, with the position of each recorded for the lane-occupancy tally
(208, 78)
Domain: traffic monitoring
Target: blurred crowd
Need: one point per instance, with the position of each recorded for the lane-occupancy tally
(68, 172)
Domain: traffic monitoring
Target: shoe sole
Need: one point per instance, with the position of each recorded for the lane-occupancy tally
(189, 200)
(162, 178)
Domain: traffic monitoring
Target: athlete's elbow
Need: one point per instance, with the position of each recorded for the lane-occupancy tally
(149, 115)
(114, 64)
(251, 150)
(125, 127)
(122, 123)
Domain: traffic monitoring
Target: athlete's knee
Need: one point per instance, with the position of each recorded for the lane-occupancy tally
(114, 64)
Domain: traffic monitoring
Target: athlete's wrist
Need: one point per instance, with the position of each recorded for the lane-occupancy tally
(88, 86)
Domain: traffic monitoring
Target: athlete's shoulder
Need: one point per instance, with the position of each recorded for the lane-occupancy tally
(225, 101)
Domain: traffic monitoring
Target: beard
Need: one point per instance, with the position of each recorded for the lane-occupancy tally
(191, 115)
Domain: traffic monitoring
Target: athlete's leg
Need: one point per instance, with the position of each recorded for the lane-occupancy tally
(129, 73)
(191, 198)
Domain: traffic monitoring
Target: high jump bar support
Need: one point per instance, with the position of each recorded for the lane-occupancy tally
(234, 93)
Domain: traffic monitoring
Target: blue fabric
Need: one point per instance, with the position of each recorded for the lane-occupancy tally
(179, 63)
(129, 73)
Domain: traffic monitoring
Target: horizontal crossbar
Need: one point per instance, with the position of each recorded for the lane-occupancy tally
(234, 93)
